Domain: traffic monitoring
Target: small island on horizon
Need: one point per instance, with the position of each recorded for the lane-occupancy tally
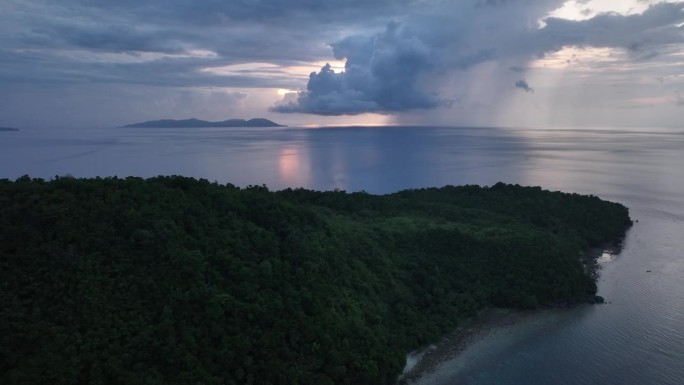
(197, 123)
(8, 129)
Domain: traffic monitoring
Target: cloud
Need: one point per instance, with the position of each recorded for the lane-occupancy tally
(401, 55)
(522, 84)
(657, 26)
(84, 40)
(404, 67)
(382, 74)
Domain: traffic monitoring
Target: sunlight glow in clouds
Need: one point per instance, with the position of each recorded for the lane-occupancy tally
(580, 59)
(266, 70)
(584, 10)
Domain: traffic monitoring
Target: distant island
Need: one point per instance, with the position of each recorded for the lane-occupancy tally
(196, 123)
(8, 129)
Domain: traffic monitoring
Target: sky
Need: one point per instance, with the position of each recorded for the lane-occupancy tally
(532, 63)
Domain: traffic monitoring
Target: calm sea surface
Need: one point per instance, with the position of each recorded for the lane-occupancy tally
(637, 338)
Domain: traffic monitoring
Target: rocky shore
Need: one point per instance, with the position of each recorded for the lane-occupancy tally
(452, 345)
(489, 320)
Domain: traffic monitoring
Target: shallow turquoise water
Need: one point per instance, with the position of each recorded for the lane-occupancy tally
(637, 338)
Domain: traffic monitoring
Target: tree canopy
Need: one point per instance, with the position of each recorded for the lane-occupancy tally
(173, 280)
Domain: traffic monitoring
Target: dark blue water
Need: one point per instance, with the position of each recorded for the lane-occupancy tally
(638, 338)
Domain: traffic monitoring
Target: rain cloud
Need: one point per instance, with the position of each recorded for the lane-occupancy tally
(382, 74)
(400, 69)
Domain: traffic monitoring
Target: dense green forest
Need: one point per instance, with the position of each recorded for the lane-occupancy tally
(172, 280)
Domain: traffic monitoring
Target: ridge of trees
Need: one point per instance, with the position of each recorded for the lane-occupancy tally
(173, 280)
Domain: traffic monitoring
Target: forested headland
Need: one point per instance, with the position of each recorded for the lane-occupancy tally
(172, 280)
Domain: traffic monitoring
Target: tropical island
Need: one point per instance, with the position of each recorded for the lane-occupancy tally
(197, 123)
(175, 280)
(8, 129)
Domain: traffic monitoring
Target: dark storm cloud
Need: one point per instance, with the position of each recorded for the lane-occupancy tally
(170, 72)
(193, 12)
(382, 74)
(110, 38)
(491, 3)
(173, 41)
(167, 26)
(522, 84)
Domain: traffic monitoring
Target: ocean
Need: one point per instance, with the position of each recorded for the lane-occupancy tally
(635, 338)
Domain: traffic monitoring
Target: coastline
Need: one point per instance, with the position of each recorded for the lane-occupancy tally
(424, 364)
(450, 347)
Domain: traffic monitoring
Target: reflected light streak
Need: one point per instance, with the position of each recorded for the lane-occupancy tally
(294, 167)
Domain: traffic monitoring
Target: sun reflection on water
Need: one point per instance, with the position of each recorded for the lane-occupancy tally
(293, 167)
